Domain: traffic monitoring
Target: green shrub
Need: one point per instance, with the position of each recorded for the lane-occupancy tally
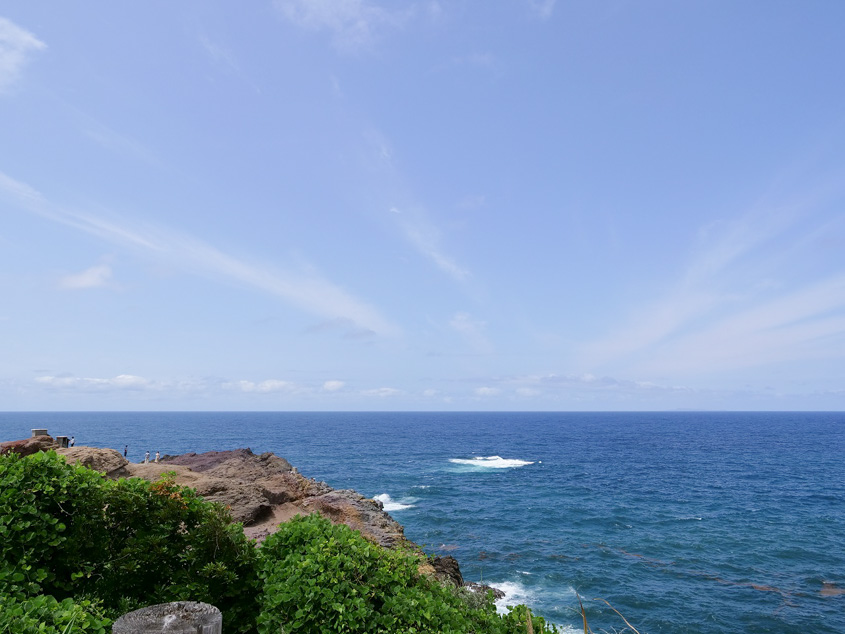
(320, 577)
(68, 531)
(45, 615)
(45, 505)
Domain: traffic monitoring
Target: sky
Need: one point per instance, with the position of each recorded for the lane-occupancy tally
(423, 205)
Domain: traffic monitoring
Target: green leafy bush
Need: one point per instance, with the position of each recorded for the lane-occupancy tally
(45, 615)
(68, 531)
(43, 505)
(320, 577)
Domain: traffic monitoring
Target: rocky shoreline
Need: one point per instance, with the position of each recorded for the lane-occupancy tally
(260, 490)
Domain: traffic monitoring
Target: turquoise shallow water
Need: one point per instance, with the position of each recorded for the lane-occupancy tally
(684, 522)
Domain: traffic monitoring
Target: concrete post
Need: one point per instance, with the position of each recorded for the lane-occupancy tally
(181, 617)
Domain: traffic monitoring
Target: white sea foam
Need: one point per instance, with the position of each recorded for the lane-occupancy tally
(491, 462)
(395, 505)
(516, 594)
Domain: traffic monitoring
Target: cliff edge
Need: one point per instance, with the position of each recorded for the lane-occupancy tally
(260, 491)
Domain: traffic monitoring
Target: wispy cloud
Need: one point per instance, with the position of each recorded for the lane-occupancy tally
(306, 290)
(220, 55)
(472, 330)
(426, 240)
(225, 60)
(807, 323)
(333, 386)
(542, 8)
(115, 142)
(472, 202)
(353, 24)
(349, 328)
(413, 219)
(93, 277)
(738, 303)
(16, 46)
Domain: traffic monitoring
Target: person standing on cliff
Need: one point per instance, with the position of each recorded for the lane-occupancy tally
(72, 441)
(125, 449)
(157, 456)
(147, 458)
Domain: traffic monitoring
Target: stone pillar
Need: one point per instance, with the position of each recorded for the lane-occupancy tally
(181, 617)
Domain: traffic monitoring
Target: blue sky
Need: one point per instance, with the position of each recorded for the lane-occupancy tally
(431, 205)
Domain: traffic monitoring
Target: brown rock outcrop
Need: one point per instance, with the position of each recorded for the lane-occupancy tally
(263, 490)
(107, 461)
(28, 446)
(239, 461)
(356, 511)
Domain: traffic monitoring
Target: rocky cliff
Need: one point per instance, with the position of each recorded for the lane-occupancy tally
(260, 490)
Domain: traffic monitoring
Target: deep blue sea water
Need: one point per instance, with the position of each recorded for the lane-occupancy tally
(684, 522)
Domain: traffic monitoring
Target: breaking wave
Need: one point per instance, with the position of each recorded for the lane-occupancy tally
(516, 594)
(390, 504)
(491, 462)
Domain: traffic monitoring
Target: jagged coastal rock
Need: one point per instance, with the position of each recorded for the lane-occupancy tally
(260, 490)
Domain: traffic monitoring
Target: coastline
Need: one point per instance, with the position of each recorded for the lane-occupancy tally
(261, 491)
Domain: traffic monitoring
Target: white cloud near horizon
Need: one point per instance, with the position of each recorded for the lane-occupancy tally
(93, 277)
(120, 382)
(306, 290)
(382, 392)
(263, 387)
(353, 24)
(209, 387)
(534, 384)
(16, 46)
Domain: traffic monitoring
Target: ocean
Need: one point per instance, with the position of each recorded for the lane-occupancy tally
(685, 522)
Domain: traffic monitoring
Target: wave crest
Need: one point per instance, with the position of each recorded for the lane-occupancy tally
(390, 504)
(491, 462)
